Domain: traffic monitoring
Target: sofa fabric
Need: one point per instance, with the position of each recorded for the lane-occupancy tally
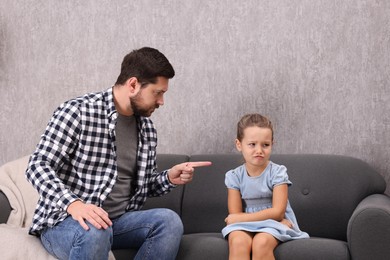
(338, 200)
(370, 218)
(5, 208)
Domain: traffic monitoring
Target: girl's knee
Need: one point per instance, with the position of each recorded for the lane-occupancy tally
(263, 242)
(240, 240)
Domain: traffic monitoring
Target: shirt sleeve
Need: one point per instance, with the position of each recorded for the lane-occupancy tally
(56, 144)
(280, 176)
(232, 180)
(157, 182)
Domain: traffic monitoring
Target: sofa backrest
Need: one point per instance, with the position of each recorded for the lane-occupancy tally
(173, 199)
(325, 191)
(12, 175)
(5, 208)
(20, 194)
(204, 206)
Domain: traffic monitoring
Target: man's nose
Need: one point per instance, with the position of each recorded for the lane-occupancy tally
(160, 101)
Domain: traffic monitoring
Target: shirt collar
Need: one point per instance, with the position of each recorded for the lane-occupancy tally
(111, 110)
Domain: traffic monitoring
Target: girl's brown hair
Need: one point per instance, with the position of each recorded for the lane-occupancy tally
(253, 120)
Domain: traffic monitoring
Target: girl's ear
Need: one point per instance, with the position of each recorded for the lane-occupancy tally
(238, 145)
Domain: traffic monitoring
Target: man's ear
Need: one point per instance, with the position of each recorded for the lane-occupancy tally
(238, 145)
(133, 86)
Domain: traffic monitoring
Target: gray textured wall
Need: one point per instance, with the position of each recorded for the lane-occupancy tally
(318, 69)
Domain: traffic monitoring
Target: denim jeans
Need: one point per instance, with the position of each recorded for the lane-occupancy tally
(156, 233)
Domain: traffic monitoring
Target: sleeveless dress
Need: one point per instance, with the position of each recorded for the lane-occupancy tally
(256, 193)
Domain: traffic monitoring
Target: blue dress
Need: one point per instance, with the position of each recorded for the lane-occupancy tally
(256, 193)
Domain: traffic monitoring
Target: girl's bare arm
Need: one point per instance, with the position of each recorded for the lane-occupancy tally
(276, 212)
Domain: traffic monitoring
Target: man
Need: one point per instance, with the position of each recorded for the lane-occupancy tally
(95, 165)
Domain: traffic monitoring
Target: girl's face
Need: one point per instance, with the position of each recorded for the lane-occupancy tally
(256, 147)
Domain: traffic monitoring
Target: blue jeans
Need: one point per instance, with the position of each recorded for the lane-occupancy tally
(156, 233)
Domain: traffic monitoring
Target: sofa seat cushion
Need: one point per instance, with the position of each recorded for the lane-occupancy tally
(313, 248)
(203, 246)
(193, 247)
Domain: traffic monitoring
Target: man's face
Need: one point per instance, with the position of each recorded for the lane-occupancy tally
(149, 97)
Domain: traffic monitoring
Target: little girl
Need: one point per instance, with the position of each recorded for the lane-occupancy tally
(260, 215)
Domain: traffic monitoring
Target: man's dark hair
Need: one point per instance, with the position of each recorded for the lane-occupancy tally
(146, 64)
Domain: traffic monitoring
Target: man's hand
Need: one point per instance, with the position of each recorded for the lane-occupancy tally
(182, 173)
(95, 215)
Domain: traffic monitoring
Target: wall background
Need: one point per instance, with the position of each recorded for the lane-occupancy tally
(319, 69)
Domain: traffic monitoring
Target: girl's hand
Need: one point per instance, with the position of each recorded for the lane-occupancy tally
(287, 223)
(233, 218)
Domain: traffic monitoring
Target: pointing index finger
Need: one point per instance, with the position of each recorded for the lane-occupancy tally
(198, 164)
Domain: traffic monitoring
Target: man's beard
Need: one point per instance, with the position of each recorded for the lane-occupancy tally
(138, 110)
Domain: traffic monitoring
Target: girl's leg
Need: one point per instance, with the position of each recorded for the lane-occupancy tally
(240, 245)
(263, 246)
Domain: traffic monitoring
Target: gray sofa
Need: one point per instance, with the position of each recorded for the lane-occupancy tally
(338, 200)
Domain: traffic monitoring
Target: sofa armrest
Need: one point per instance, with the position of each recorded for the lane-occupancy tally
(369, 229)
(5, 208)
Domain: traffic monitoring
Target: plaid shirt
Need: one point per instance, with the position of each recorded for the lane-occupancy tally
(76, 159)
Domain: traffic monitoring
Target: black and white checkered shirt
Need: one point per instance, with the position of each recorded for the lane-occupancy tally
(76, 159)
